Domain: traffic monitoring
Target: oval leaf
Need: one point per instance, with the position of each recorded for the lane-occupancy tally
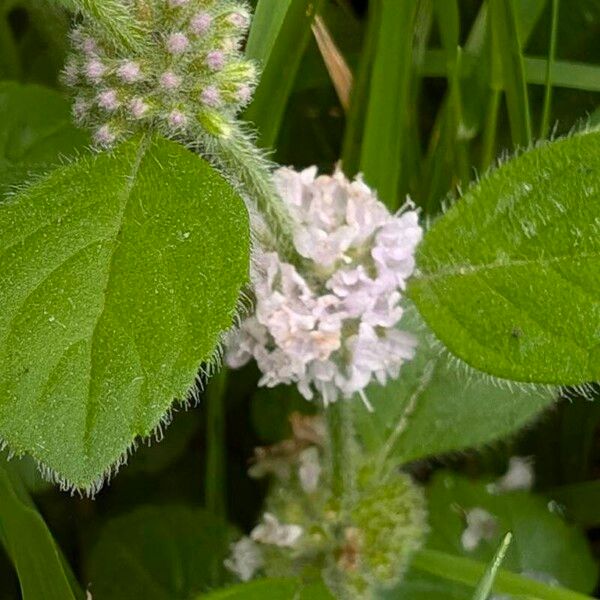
(508, 277)
(117, 276)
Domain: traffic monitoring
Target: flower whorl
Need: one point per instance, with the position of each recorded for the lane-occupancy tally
(189, 78)
(333, 330)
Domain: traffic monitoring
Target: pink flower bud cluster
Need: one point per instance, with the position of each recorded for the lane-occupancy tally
(189, 78)
(332, 330)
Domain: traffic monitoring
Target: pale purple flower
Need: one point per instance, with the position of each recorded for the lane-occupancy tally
(138, 107)
(215, 60)
(105, 136)
(177, 43)
(201, 23)
(108, 100)
(170, 81)
(211, 96)
(239, 20)
(177, 119)
(95, 70)
(338, 331)
(129, 72)
(244, 94)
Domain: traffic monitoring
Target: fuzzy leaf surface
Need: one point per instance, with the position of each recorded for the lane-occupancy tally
(35, 132)
(508, 277)
(437, 406)
(117, 276)
(159, 553)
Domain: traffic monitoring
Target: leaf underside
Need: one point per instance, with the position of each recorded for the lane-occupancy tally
(117, 276)
(509, 278)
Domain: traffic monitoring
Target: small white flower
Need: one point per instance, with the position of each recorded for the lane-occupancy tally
(246, 558)
(272, 532)
(519, 476)
(481, 525)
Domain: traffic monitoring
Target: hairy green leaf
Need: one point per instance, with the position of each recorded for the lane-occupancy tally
(508, 277)
(117, 276)
(159, 553)
(35, 132)
(34, 553)
(437, 406)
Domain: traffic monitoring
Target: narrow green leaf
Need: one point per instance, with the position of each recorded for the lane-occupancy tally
(565, 74)
(280, 61)
(33, 551)
(507, 278)
(411, 415)
(35, 132)
(359, 100)
(267, 21)
(117, 276)
(484, 589)
(159, 553)
(551, 57)
(389, 107)
(505, 34)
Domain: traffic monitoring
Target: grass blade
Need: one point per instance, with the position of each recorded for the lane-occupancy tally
(359, 99)
(506, 44)
(551, 56)
(389, 107)
(484, 588)
(279, 44)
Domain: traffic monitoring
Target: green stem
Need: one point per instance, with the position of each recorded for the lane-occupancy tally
(215, 442)
(489, 133)
(239, 159)
(551, 56)
(339, 423)
(470, 572)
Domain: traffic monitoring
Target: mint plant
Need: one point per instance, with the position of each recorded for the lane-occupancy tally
(377, 345)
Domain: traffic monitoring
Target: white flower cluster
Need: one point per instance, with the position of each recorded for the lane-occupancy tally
(190, 76)
(334, 329)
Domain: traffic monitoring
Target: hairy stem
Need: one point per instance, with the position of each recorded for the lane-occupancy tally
(339, 424)
(242, 161)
